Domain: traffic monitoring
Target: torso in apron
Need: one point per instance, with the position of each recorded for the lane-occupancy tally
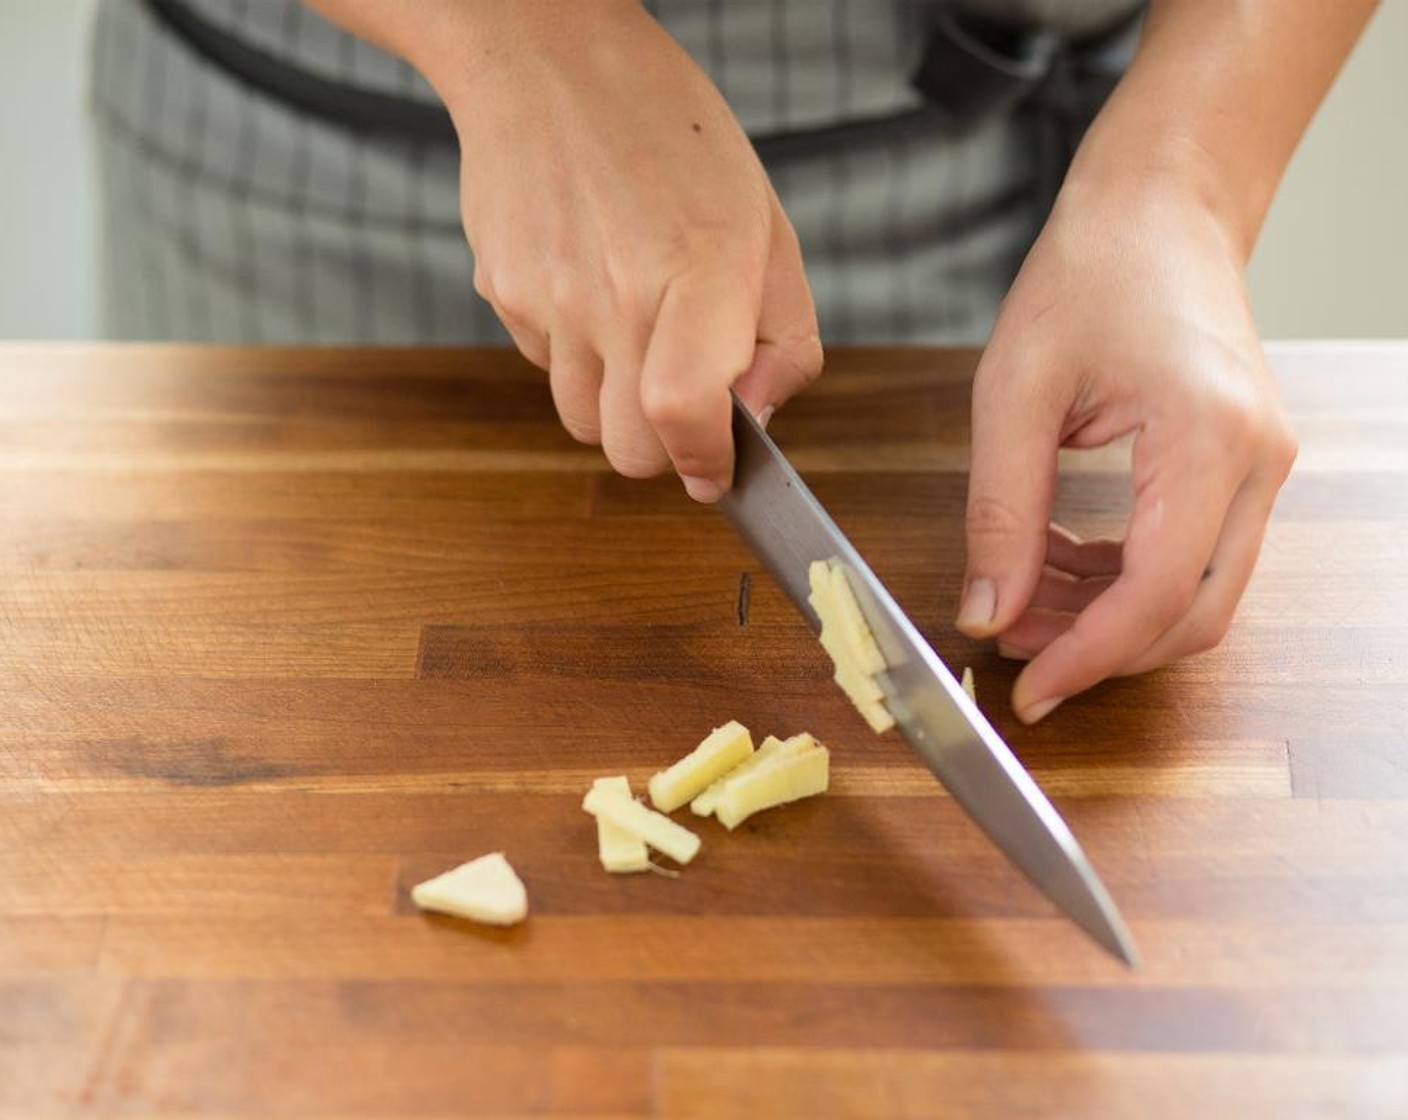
(258, 224)
(781, 64)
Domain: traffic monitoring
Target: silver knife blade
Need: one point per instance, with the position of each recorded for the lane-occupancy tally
(781, 520)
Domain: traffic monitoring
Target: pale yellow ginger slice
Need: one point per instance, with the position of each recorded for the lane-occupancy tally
(968, 685)
(823, 601)
(860, 688)
(703, 805)
(819, 579)
(784, 778)
(484, 890)
(877, 716)
(722, 749)
(846, 637)
(620, 852)
(819, 583)
(865, 654)
(771, 747)
(656, 829)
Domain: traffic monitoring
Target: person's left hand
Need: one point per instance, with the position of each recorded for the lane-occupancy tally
(1130, 316)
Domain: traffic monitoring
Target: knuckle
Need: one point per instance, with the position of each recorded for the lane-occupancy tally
(785, 232)
(808, 357)
(532, 349)
(671, 402)
(578, 300)
(513, 295)
(1009, 376)
(1177, 603)
(674, 252)
(634, 460)
(1236, 402)
(1165, 612)
(989, 518)
(1236, 417)
(483, 285)
(628, 299)
(566, 291)
(708, 258)
(700, 466)
(583, 429)
(1284, 446)
(1207, 633)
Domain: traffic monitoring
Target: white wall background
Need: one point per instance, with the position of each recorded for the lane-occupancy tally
(1332, 263)
(48, 274)
(1333, 257)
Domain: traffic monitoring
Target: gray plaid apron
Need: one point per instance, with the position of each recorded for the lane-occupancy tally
(231, 215)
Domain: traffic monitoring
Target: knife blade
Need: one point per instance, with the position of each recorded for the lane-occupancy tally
(784, 524)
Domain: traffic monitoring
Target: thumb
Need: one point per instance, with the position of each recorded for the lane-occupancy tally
(1011, 485)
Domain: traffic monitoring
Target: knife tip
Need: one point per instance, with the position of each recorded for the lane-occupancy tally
(1084, 899)
(1124, 949)
(1108, 930)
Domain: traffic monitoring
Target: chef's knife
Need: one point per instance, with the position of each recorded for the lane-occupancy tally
(780, 518)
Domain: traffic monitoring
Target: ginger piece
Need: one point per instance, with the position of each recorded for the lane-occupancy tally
(788, 775)
(620, 852)
(772, 747)
(722, 749)
(968, 685)
(656, 829)
(484, 890)
(865, 654)
(846, 637)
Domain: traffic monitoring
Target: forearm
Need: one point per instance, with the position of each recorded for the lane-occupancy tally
(402, 27)
(1218, 96)
(451, 41)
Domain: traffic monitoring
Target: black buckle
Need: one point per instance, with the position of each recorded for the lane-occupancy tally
(974, 67)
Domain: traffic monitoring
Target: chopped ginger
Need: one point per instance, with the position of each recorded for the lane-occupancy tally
(846, 637)
(723, 749)
(485, 890)
(705, 804)
(656, 829)
(968, 685)
(619, 851)
(787, 776)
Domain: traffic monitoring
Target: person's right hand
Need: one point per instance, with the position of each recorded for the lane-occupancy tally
(625, 232)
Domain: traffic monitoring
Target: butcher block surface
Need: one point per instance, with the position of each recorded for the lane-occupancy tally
(285, 632)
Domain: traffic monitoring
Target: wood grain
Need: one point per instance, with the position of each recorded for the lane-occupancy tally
(928, 1085)
(283, 632)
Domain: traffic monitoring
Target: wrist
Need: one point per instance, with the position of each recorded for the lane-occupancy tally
(460, 47)
(1137, 174)
(1216, 99)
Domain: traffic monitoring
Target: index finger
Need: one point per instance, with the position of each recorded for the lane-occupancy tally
(1178, 515)
(704, 336)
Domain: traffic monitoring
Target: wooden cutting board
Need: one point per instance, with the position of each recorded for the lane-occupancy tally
(284, 632)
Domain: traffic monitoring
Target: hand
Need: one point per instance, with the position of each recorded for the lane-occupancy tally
(626, 234)
(1129, 317)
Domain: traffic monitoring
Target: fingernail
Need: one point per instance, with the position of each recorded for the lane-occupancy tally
(702, 489)
(765, 415)
(979, 606)
(1013, 653)
(1040, 711)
